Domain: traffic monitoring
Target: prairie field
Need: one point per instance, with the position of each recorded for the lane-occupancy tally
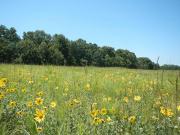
(60, 100)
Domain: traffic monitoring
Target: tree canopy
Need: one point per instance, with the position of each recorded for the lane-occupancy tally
(39, 47)
(170, 67)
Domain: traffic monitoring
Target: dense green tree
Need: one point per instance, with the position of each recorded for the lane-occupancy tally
(170, 67)
(8, 40)
(145, 63)
(55, 56)
(108, 51)
(99, 58)
(62, 44)
(34, 48)
(126, 58)
(37, 37)
(30, 53)
(38, 47)
(90, 51)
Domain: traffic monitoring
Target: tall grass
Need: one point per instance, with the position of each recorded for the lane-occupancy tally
(89, 100)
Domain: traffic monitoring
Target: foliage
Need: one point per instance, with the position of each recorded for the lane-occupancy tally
(170, 67)
(39, 47)
(145, 63)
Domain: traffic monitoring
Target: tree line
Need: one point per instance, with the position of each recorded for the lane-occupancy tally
(39, 47)
(170, 67)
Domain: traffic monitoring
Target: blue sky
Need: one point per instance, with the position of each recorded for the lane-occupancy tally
(149, 28)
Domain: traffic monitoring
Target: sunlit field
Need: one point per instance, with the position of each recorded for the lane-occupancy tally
(53, 100)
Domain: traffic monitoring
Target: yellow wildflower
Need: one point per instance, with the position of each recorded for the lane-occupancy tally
(76, 101)
(3, 82)
(132, 119)
(30, 104)
(53, 104)
(109, 99)
(40, 94)
(94, 113)
(23, 90)
(11, 90)
(12, 104)
(46, 78)
(39, 129)
(166, 111)
(30, 82)
(103, 111)
(39, 101)
(137, 98)
(20, 113)
(97, 121)
(1, 96)
(88, 86)
(39, 115)
(108, 119)
(178, 107)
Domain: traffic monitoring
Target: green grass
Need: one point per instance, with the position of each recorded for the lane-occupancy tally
(78, 91)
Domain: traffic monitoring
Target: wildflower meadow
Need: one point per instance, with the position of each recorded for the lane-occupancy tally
(53, 100)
